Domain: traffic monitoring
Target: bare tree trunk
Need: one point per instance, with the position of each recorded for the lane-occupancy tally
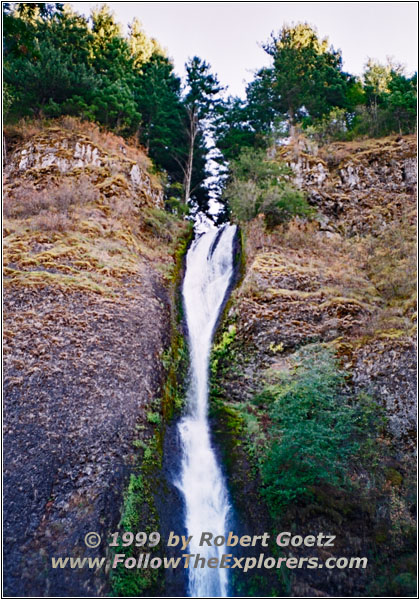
(188, 174)
(188, 171)
(292, 130)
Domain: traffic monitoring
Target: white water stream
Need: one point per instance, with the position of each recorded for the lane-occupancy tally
(209, 269)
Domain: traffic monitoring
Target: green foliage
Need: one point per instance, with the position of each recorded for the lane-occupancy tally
(259, 185)
(48, 78)
(56, 63)
(9, 97)
(234, 129)
(334, 126)
(306, 76)
(401, 102)
(315, 430)
(174, 202)
(306, 83)
(138, 515)
(221, 349)
(132, 497)
(256, 167)
(157, 91)
(390, 101)
(142, 48)
(154, 418)
(283, 202)
(202, 88)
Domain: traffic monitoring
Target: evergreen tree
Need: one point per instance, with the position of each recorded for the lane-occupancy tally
(200, 101)
(157, 93)
(142, 48)
(114, 103)
(401, 101)
(306, 78)
(236, 128)
(390, 101)
(50, 73)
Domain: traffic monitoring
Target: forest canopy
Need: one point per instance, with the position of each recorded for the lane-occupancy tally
(57, 62)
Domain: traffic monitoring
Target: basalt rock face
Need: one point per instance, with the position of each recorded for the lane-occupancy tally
(358, 186)
(64, 152)
(347, 281)
(366, 192)
(88, 259)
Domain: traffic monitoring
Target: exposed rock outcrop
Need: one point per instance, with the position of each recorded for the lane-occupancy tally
(359, 186)
(88, 259)
(347, 281)
(61, 151)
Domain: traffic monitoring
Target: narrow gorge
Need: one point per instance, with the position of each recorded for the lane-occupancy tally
(208, 275)
(127, 413)
(210, 303)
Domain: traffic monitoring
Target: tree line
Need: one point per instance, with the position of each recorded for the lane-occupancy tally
(304, 91)
(306, 87)
(57, 62)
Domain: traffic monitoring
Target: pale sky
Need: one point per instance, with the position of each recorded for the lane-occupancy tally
(228, 34)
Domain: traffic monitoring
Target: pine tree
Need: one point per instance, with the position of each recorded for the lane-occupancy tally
(200, 101)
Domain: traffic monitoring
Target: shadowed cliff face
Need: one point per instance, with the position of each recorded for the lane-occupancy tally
(88, 258)
(347, 281)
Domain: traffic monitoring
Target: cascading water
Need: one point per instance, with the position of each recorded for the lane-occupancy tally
(209, 270)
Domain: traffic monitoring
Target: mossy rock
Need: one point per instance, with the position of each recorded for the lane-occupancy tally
(381, 534)
(394, 477)
(404, 585)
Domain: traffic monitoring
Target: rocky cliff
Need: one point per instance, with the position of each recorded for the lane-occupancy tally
(89, 259)
(347, 282)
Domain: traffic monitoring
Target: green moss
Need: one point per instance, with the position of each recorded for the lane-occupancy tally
(139, 512)
(221, 349)
(175, 359)
(154, 418)
(394, 477)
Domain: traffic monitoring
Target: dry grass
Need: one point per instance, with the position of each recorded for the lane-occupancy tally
(338, 152)
(85, 229)
(27, 201)
(51, 221)
(373, 276)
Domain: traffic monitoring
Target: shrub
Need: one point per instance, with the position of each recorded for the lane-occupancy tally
(160, 223)
(81, 191)
(260, 185)
(282, 203)
(51, 221)
(315, 430)
(174, 202)
(243, 199)
(25, 202)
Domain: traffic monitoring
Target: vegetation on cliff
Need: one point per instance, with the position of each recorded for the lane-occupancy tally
(313, 387)
(257, 185)
(125, 83)
(91, 263)
(313, 370)
(305, 88)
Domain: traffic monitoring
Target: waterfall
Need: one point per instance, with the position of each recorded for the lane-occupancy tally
(209, 270)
